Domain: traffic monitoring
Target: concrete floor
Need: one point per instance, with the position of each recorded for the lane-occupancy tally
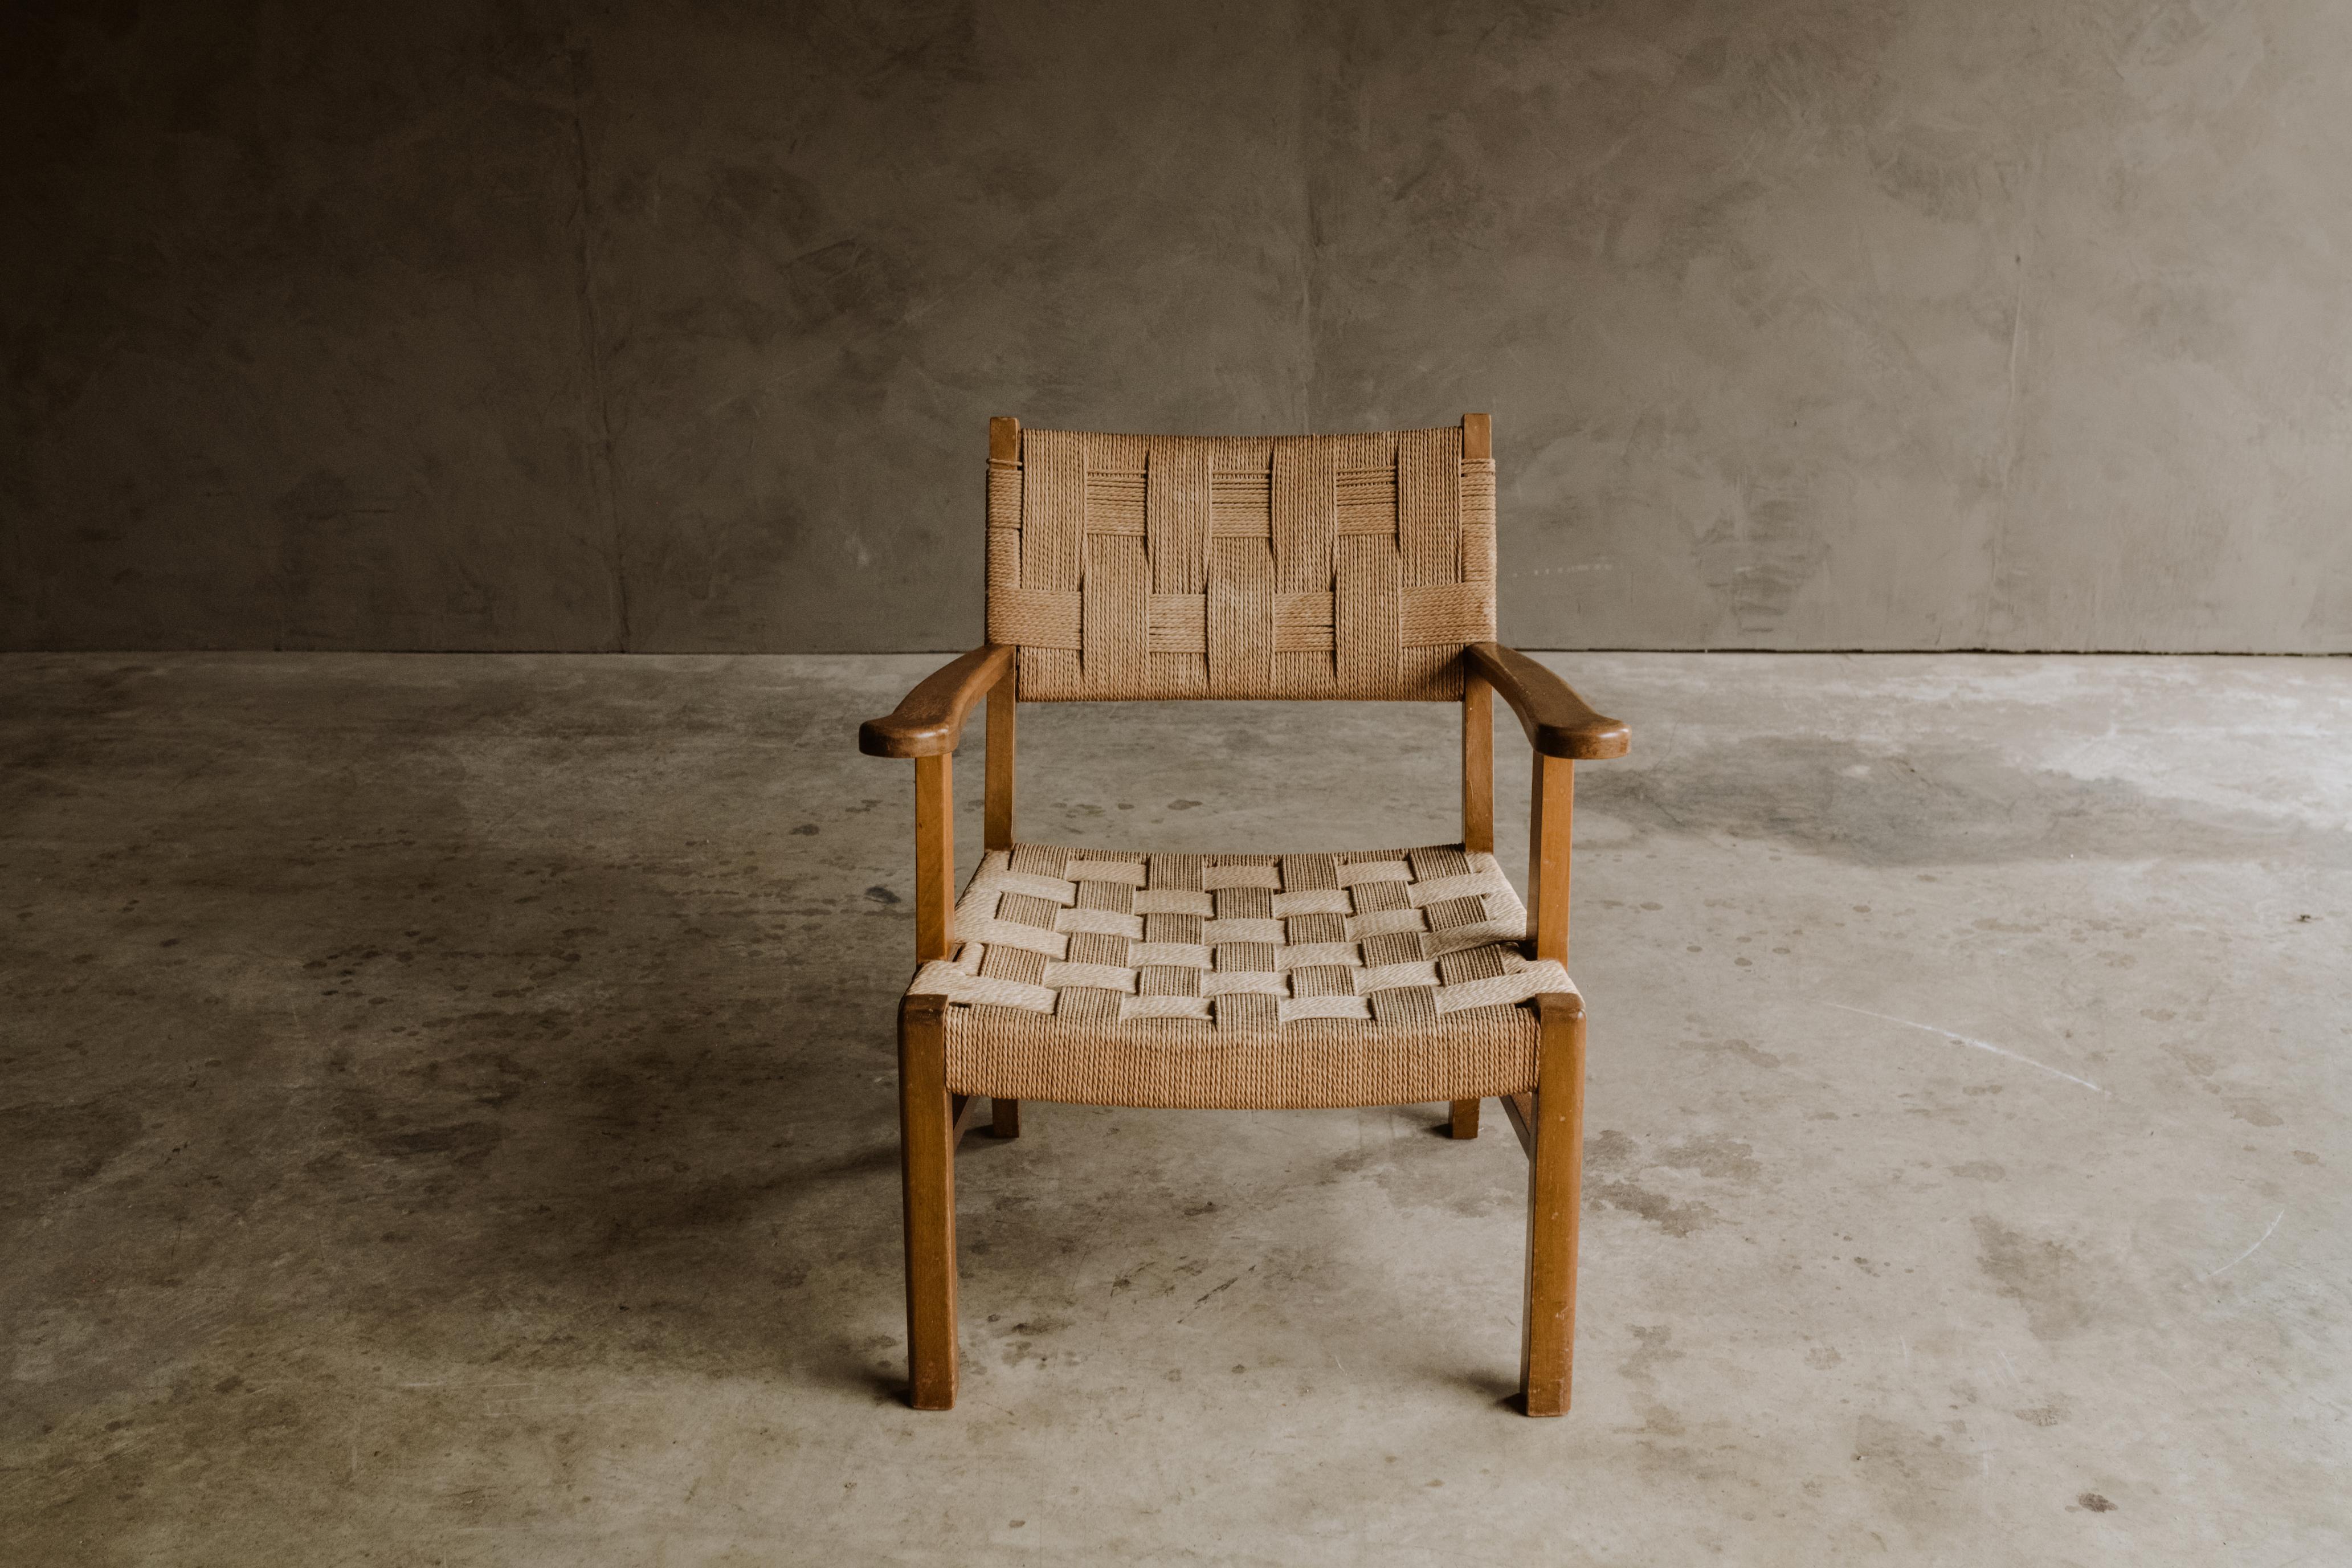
(445, 1117)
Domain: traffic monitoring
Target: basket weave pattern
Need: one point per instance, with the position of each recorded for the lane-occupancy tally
(1378, 977)
(1296, 566)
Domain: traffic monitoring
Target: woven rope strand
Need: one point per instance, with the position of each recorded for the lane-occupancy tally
(1314, 566)
(1240, 980)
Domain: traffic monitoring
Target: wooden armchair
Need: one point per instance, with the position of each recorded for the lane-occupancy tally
(1309, 567)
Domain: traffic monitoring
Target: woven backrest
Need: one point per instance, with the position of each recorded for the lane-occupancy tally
(1288, 566)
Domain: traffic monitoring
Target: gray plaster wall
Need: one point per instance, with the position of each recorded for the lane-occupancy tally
(1806, 323)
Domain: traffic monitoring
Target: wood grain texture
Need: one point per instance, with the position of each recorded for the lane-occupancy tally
(934, 857)
(1555, 1182)
(1477, 438)
(1557, 722)
(997, 823)
(1003, 439)
(1550, 824)
(928, 722)
(926, 1138)
(1477, 765)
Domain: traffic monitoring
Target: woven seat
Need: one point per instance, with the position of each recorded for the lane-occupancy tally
(1125, 567)
(1378, 977)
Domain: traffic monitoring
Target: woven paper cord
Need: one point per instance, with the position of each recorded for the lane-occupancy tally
(1303, 566)
(1242, 981)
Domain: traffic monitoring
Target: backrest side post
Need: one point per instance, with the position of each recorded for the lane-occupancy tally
(1477, 438)
(1477, 697)
(1003, 439)
(1004, 482)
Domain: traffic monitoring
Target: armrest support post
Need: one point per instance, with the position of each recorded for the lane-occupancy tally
(1550, 819)
(1477, 765)
(928, 726)
(934, 857)
(1000, 762)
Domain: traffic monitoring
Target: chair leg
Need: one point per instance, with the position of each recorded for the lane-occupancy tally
(927, 1164)
(1004, 1117)
(1466, 1119)
(1555, 1177)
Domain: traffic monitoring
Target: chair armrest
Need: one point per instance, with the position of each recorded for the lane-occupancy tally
(1559, 723)
(930, 722)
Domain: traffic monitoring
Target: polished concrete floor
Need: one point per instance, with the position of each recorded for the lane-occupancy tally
(445, 1117)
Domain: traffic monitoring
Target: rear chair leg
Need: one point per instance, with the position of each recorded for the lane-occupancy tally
(1555, 1177)
(926, 1162)
(1004, 1117)
(1466, 1119)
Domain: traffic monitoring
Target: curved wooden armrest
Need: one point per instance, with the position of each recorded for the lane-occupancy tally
(930, 722)
(1559, 723)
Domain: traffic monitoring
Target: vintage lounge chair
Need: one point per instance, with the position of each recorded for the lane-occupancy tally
(1122, 567)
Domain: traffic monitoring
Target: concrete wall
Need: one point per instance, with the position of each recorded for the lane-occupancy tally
(1806, 323)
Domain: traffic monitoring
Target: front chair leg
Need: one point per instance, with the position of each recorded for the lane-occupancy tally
(926, 1162)
(1555, 1177)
